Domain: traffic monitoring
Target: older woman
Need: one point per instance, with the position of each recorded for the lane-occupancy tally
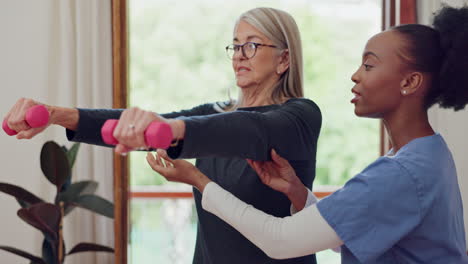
(270, 113)
(403, 208)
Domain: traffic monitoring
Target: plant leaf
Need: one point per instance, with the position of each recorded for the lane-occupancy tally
(43, 216)
(54, 164)
(74, 191)
(23, 204)
(48, 252)
(64, 188)
(23, 254)
(50, 249)
(65, 148)
(77, 189)
(71, 157)
(96, 204)
(71, 154)
(82, 247)
(24, 197)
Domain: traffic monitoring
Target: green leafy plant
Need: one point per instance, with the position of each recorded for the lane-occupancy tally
(56, 164)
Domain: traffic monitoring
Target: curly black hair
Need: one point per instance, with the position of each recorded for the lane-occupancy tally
(442, 51)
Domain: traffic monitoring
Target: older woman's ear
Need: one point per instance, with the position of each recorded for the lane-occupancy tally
(283, 64)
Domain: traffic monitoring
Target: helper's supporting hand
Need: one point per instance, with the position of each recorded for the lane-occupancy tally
(280, 176)
(177, 170)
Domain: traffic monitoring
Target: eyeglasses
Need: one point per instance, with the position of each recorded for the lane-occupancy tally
(249, 49)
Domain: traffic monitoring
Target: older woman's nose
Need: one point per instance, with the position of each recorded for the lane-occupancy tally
(237, 55)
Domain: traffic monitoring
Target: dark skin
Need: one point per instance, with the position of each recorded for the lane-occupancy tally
(385, 88)
(391, 90)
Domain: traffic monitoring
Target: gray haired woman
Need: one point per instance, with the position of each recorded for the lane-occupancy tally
(270, 113)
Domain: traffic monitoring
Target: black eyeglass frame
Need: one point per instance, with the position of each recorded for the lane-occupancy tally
(235, 48)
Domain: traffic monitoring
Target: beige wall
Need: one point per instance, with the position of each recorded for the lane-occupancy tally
(452, 125)
(454, 128)
(23, 73)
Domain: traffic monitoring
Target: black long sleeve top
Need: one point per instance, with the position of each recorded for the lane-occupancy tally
(221, 142)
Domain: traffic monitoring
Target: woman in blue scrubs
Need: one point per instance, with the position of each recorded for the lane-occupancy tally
(403, 208)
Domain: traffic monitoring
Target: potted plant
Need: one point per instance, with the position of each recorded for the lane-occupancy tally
(56, 164)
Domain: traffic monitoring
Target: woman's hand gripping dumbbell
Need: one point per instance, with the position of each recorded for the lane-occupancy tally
(158, 135)
(26, 115)
(141, 129)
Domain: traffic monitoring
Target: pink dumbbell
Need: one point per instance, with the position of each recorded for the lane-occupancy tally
(36, 116)
(158, 135)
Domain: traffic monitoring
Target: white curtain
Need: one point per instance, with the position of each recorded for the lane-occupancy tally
(427, 7)
(80, 75)
(452, 125)
(57, 52)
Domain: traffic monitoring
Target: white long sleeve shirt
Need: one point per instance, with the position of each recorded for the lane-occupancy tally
(303, 233)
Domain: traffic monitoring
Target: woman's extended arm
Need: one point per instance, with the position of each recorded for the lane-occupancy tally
(87, 128)
(83, 125)
(15, 118)
(91, 120)
(291, 129)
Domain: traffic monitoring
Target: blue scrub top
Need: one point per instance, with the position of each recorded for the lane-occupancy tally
(404, 208)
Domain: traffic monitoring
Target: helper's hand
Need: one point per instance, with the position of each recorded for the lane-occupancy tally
(131, 128)
(277, 173)
(177, 170)
(280, 176)
(16, 119)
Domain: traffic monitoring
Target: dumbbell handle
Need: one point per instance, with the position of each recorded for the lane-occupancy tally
(36, 116)
(158, 135)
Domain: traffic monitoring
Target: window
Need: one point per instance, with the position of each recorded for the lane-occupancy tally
(177, 60)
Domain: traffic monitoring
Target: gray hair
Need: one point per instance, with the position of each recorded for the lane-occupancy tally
(282, 30)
